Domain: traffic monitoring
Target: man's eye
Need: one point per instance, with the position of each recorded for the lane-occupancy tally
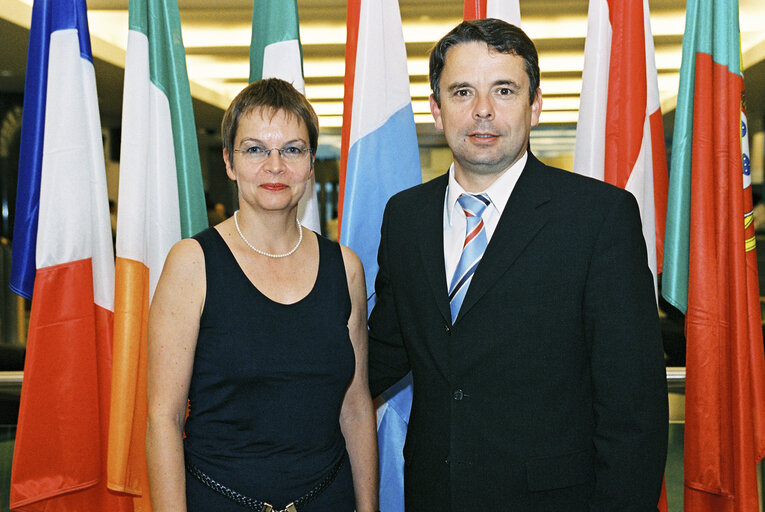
(292, 150)
(504, 91)
(255, 150)
(462, 92)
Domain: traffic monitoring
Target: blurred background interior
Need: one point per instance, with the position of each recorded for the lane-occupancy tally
(217, 38)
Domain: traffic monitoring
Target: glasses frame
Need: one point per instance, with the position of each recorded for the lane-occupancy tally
(255, 157)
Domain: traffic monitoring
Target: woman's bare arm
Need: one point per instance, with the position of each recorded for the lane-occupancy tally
(357, 416)
(173, 327)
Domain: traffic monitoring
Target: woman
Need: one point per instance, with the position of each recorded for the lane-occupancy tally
(261, 324)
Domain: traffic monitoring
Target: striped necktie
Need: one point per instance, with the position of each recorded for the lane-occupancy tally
(472, 249)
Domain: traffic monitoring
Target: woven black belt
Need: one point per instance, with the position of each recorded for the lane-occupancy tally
(258, 505)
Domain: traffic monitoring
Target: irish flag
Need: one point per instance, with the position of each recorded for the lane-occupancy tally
(275, 52)
(620, 135)
(63, 261)
(160, 200)
(710, 266)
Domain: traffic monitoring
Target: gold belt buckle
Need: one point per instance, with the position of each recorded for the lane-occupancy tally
(267, 507)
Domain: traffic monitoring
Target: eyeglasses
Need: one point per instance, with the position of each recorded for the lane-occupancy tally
(258, 154)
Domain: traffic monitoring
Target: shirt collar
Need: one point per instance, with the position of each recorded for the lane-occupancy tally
(498, 192)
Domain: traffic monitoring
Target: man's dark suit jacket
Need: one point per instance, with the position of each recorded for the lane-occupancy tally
(548, 392)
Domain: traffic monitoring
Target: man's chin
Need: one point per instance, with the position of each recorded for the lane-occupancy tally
(487, 167)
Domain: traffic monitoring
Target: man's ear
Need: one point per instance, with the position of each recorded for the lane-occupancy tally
(436, 111)
(536, 108)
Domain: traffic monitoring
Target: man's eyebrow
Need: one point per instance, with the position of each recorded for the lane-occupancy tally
(506, 82)
(458, 85)
(502, 82)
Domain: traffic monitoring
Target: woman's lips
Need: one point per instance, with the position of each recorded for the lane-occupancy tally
(275, 187)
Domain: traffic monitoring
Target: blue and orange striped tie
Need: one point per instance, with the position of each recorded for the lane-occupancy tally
(472, 249)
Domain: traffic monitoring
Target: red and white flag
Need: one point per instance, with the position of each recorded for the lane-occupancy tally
(620, 135)
(506, 10)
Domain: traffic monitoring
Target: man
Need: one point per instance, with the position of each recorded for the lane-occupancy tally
(538, 374)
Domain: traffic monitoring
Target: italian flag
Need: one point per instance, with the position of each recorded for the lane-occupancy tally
(275, 52)
(161, 200)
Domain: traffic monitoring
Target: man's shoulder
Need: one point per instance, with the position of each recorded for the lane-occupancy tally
(417, 194)
(572, 185)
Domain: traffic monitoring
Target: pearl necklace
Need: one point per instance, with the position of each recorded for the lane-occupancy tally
(264, 253)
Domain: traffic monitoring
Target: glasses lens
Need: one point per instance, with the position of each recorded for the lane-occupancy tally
(292, 153)
(254, 153)
(257, 154)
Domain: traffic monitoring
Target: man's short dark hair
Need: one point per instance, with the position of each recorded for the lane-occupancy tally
(269, 94)
(500, 36)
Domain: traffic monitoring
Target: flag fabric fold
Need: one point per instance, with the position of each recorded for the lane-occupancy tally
(507, 10)
(710, 266)
(379, 157)
(275, 52)
(161, 200)
(63, 260)
(620, 134)
(392, 422)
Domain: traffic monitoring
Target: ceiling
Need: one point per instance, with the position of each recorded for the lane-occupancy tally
(217, 38)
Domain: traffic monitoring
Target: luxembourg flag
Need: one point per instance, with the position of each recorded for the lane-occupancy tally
(379, 157)
(63, 261)
(506, 10)
(161, 200)
(620, 135)
(275, 52)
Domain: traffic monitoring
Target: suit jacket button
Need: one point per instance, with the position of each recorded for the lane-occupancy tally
(458, 395)
(448, 330)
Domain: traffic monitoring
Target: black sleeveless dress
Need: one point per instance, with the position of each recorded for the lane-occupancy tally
(267, 387)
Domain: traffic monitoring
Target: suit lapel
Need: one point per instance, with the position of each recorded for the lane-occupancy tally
(431, 243)
(523, 217)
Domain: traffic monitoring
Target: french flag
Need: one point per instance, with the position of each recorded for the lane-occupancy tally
(379, 157)
(63, 260)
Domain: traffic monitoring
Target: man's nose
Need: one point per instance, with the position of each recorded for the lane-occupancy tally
(484, 108)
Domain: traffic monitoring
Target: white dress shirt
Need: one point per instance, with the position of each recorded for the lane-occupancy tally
(454, 216)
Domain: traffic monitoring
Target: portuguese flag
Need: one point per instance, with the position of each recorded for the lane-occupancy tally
(710, 266)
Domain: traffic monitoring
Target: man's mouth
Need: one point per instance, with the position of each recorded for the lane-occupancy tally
(481, 136)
